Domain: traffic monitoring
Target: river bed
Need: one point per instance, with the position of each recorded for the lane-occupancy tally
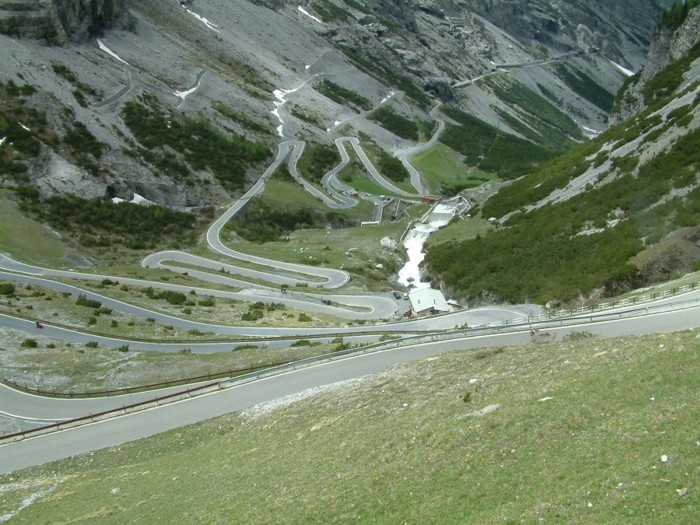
(415, 238)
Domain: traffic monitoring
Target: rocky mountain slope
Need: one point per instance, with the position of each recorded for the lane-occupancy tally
(231, 64)
(672, 43)
(184, 104)
(618, 212)
(60, 22)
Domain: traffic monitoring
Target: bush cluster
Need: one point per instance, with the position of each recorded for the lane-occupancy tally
(171, 296)
(102, 222)
(342, 95)
(261, 223)
(201, 144)
(392, 168)
(490, 149)
(397, 124)
(542, 255)
(90, 303)
(585, 86)
(674, 17)
(380, 70)
(240, 118)
(318, 159)
(546, 124)
(667, 81)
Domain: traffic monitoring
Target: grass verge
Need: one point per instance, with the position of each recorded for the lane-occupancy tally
(26, 239)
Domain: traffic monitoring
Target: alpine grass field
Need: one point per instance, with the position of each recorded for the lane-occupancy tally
(576, 431)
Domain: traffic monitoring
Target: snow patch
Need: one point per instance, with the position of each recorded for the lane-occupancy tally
(591, 132)
(25, 128)
(622, 69)
(183, 94)
(257, 411)
(480, 413)
(136, 199)
(280, 95)
(305, 12)
(26, 502)
(206, 22)
(111, 53)
(2, 140)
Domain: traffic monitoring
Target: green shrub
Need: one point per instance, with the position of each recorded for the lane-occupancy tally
(329, 12)
(669, 79)
(252, 315)
(201, 144)
(130, 224)
(490, 149)
(240, 118)
(343, 96)
(392, 168)
(318, 159)
(207, 301)
(380, 69)
(538, 119)
(262, 223)
(585, 86)
(540, 255)
(397, 124)
(171, 296)
(674, 16)
(29, 343)
(90, 303)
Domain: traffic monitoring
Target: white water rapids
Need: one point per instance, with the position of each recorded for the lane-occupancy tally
(415, 239)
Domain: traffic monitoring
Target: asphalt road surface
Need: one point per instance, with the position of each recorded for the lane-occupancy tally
(110, 432)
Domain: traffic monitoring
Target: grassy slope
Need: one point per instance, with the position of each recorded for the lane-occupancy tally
(25, 238)
(404, 447)
(441, 166)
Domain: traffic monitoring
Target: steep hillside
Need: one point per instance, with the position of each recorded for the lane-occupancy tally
(222, 62)
(62, 21)
(183, 104)
(678, 31)
(621, 210)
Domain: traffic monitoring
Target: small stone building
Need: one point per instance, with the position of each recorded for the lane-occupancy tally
(427, 301)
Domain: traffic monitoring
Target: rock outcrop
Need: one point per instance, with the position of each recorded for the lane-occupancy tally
(59, 22)
(669, 45)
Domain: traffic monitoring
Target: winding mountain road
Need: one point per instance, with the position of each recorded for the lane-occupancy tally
(230, 395)
(233, 396)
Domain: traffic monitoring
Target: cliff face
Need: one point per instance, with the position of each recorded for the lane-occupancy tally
(59, 22)
(669, 45)
(557, 24)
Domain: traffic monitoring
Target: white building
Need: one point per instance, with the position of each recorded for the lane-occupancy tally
(428, 301)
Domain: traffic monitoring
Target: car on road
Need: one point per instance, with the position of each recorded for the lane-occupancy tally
(397, 295)
(326, 301)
